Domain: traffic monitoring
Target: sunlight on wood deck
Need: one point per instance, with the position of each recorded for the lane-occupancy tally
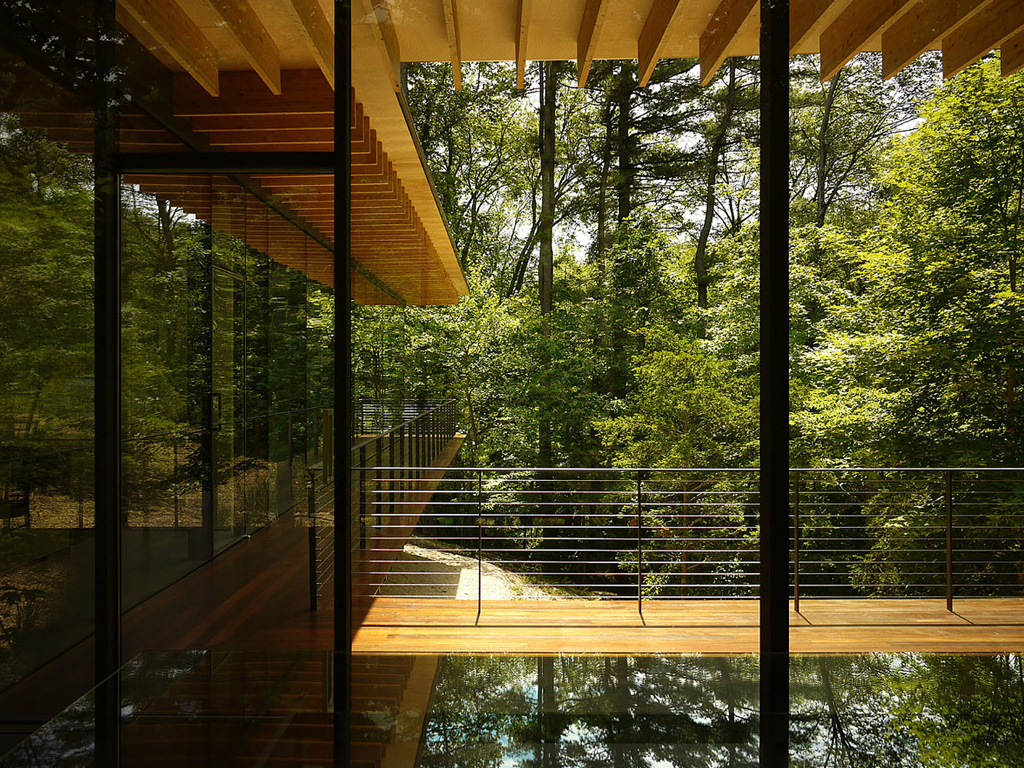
(402, 625)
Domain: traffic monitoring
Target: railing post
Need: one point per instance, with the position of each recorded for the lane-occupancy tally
(479, 543)
(949, 540)
(313, 597)
(639, 543)
(177, 490)
(393, 495)
(366, 520)
(796, 541)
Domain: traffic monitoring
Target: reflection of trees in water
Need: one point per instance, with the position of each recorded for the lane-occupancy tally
(900, 710)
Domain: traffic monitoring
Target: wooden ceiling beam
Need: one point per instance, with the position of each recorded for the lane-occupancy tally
(861, 21)
(718, 36)
(317, 31)
(252, 37)
(303, 92)
(523, 8)
(451, 26)
(166, 23)
(274, 136)
(653, 37)
(803, 15)
(997, 23)
(586, 40)
(1012, 55)
(261, 122)
(378, 14)
(270, 148)
(921, 28)
(380, 168)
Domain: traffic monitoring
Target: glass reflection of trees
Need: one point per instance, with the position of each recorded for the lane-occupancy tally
(278, 328)
(900, 710)
(593, 711)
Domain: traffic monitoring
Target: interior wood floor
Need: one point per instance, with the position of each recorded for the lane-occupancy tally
(399, 625)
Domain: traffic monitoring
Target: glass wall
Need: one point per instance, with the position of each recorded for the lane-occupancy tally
(46, 355)
(226, 372)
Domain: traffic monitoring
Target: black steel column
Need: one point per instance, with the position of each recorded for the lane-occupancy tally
(107, 336)
(344, 421)
(774, 735)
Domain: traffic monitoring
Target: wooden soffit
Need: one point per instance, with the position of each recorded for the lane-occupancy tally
(259, 75)
(711, 30)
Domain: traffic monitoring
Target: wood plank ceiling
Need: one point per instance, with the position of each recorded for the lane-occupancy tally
(258, 75)
(711, 30)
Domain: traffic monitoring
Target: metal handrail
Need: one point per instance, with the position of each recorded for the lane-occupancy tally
(420, 439)
(662, 533)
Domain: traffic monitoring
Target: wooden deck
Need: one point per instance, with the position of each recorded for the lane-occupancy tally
(399, 625)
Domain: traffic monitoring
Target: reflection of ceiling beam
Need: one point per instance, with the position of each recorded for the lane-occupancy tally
(253, 38)
(378, 14)
(720, 32)
(175, 31)
(303, 92)
(920, 28)
(522, 31)
(997, 23)
(803, 15)
(451, 26)
(854, 27)
(318, 32)
(653, 36)
(1012, 55)
(586, 41)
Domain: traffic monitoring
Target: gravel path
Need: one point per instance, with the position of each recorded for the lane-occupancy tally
(423, 572)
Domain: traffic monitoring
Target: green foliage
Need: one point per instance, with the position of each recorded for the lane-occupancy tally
(688, 411)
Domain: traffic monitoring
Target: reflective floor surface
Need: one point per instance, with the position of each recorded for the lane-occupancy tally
(199, 708)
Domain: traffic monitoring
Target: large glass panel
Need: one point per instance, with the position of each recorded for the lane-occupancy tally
(218, 359)
(46, 359)
(164, 261)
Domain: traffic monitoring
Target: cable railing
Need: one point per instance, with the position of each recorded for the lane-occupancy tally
(658, 534)
(419, 440)
(321, 534)
(373, 416)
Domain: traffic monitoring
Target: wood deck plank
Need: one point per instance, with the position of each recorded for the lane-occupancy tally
(399, 625)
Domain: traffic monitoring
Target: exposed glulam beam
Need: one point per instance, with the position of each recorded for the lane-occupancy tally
(253, 38)
(998, 22)
(921, 28)
(803, 15)
(318, 32)
(172, 28)
(451, 26)
(653, 36)
(861, 21)
(719, 34)
(586, 40)
(378, 14)
(1012, 55)
(522, 33)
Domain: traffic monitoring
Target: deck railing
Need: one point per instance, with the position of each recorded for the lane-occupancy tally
(428, 427)
(654, 534)
(378, 416)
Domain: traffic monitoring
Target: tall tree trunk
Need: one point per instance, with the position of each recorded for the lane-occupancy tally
(715, 157)
(624, 141)
(602, 219)
(545, 236)
(820, 197)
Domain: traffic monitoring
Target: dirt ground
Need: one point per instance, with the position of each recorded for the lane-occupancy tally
(429, 572)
